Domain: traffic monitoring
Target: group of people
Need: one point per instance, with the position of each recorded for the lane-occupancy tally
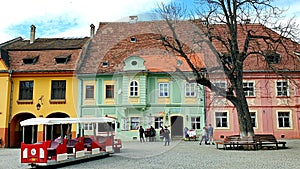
(164, 134)
(207, 135)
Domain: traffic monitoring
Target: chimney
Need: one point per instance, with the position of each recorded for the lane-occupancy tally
(32, 33)
(133, 19)
(247, 21)
(92, 30)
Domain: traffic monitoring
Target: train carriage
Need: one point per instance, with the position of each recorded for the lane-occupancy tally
(99, 140)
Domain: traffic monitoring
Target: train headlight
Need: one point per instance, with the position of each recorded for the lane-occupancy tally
(33, 151)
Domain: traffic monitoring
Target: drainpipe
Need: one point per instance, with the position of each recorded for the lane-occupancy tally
(10, 105)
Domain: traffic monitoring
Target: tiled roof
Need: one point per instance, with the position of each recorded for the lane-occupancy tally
(45, 50)
(113, 42)
(289, 61)
(48, 44)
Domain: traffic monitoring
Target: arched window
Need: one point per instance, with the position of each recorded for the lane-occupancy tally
(134, 89)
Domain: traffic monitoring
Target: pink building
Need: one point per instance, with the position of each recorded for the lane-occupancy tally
(273, 98)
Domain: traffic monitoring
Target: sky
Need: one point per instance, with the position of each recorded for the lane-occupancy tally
(72, 18)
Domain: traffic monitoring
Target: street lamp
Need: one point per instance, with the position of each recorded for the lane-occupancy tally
(40, 103)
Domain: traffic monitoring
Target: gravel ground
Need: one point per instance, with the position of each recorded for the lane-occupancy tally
(179, 155)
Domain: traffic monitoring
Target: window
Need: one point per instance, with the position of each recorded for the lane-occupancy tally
(284, 119)
(134, 89)
(220, 85)
(88, 126)
(190, 89)
(89, 91)
(26, 90)
(133, 39)
(248, 88)
(58, 90)
(221, 119)
(253, 118)
(134, 63)
(158, 122)
(30, 60)
(163, 89)
(105, 64)
(134, 123)
(272, 57)
(195, 122)
(109, 91)
(106, 127)
(282, 88)
(62, 59)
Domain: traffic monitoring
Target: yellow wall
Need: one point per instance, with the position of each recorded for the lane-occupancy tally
(2, 65)
(4, 103)
(42, 87)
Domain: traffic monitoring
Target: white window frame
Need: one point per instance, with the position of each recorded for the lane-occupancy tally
(221, 119)
(246, 84)
(281, 88)
(190, 89)
(195, 122)
(88, 126)
(136, 121)
(289, 117)
(134, 88)
(163, 89)
(159, 120)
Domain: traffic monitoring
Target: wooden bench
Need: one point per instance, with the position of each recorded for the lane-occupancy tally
(236, 142)
(268, 139)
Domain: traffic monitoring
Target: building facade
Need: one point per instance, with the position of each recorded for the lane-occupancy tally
(127, 74)
(40, 82)
(272, 96)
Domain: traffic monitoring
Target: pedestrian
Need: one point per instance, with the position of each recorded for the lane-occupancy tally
(186, 134)
(210, 131)
(203, 135)
(161, 133)
(152, 134)
(167, 136)
(142, 132)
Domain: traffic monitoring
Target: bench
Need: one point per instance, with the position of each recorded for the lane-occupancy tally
(71, 145)
(88, 143)
(52, 149)
(268, 139)
(236, 142)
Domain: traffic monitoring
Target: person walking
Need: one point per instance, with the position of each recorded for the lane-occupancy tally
(167, 136)
(152, 134)
(161, 133)
(203, 136)
(142, 132)
(210, 131)
(186, 134)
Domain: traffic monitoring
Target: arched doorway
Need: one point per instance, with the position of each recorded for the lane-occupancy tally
(54, 131)
(177, 126)
(16, 131)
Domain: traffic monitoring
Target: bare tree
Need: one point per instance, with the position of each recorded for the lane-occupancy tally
(225, 23)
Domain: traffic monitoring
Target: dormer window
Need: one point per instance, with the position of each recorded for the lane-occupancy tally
(179, 62)
(134, 63)
(133, 39)
(62, 59)
(30, 60)
(105, 64)
(272, 57)
(298, 55)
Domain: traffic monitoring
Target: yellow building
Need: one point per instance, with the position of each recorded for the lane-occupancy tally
(43, 83)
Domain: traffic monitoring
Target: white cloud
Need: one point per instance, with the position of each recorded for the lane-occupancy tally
(85, 12)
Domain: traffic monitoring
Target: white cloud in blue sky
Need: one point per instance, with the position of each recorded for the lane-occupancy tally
(72, 18)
